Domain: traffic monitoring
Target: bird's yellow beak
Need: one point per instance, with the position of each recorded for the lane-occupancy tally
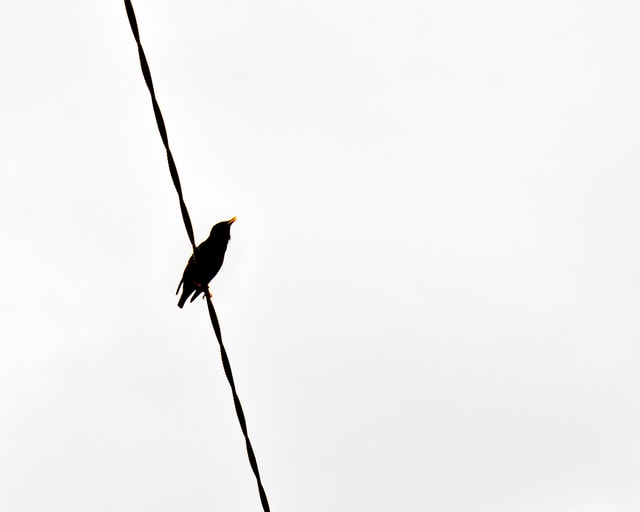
(232, 220)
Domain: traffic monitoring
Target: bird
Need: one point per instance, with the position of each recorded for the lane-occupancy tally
(209, 256)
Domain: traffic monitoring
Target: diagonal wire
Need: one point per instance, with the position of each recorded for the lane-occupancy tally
(187, 224)
(160, 121)
(236, 401)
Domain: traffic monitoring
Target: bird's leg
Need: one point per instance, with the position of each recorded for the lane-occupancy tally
(204, 288)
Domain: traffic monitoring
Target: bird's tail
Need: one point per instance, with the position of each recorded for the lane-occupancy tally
(184, 296)
(198, 291)
(192, 290)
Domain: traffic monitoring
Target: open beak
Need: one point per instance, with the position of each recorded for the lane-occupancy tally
(231, 220)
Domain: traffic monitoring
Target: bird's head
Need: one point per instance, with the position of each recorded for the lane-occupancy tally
(222, 229)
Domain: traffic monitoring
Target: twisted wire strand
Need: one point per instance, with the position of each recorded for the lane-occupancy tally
(236, 401)
(144, 65)
(189, 227)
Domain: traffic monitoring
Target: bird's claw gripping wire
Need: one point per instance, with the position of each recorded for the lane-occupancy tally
(205, 289)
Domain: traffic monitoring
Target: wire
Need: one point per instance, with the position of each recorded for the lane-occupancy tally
(189, 227)
(160, 121)
(241, 419)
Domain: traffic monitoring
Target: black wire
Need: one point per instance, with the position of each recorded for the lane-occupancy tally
(187, 224)
(160, 121)
(239, 412)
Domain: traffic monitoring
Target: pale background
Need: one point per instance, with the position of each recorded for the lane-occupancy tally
(431, 295)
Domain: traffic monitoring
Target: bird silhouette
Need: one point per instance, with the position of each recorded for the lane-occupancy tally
(208, 260)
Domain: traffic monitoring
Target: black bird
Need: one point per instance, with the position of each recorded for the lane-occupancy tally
(209, 257)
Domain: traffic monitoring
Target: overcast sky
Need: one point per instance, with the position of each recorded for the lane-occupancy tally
(430, 298)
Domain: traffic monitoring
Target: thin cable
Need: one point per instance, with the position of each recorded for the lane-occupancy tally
(187, 224)
(239, 412)
(160, 121)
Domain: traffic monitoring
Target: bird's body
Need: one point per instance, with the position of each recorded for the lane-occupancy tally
(208, 261)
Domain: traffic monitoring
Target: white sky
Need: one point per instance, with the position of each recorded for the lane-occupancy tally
(430, 299)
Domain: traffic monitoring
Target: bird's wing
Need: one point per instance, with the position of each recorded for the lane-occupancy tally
(187, 270)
